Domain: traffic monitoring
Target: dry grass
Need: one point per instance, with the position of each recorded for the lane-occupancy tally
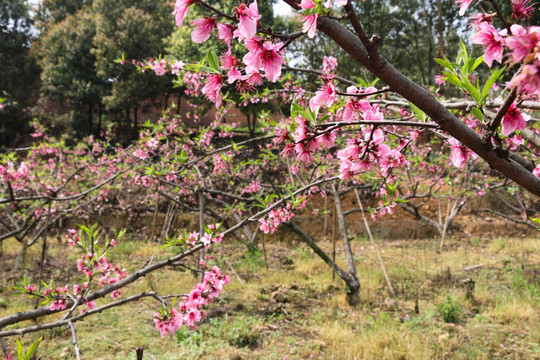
(298, 312)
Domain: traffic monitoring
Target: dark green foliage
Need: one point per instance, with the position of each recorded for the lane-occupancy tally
(18, 71)
(78, 49)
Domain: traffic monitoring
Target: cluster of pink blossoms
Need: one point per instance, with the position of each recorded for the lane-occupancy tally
(15, 176)
(190, 309)
(365, 152)
(206, 239)
(276, 217)
(522, 43)
(264, 57)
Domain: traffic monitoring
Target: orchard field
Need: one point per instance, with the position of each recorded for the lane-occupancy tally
(285, 304)
(292, 179)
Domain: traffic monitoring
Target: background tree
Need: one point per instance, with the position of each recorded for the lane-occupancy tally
(18, 71)
(69, 75)
(410, 41)
(79, 42)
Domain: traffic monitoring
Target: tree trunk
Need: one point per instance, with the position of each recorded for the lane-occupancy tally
(353, 296)
(90, 118)
(135, 111)
(99, 119)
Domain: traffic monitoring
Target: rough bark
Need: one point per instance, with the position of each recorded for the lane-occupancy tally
(419, 96)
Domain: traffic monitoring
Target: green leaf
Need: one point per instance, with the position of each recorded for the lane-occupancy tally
(419, 113)
(463, 55)
(32, 349)
(478, 62)
(213, 60)
(471, 89)
(452, 79)
(445, 63)
(20, 350)
(489, 83)
(477, 113)
(200, 67)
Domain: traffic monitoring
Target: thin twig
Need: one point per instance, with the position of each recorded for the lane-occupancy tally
(74, 341)
(381, 262)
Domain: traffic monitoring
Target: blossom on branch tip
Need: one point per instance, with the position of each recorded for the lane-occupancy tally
(248, 18)
(203, 28)
(212, 88)
(536, 171)
(265, 56)
(225, 33)
(307, 4)
(324, 97)
(492, 40)
(180, 10)
(528, 80)
(310, 25)
(522, 9)
(463, 6)
(524, 41)
(513, 120)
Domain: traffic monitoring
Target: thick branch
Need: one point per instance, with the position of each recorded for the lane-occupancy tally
(419, 96)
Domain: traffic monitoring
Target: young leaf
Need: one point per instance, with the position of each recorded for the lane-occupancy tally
(471, 89)
(20, 350)
(419, 113)
(445, 63)
(32, 349)
(477, 113)
(452, 79)
(492, 79)
(213, 60)
(477, 62)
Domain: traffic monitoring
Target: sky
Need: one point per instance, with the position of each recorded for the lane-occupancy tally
(280, 9)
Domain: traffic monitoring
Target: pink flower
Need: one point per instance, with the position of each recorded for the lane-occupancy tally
(180, 10)
(459, 153)
(212, 88)
(536, 171)
(522, 9)
(492, 40)
(193, 316)
(523, 41)
(268, 57)
(463, 6)
(203, 28)
(1, 107)
(168, 322)
(528, 81)
(225, 33)
(91, 305)
(513, 120)
(310, 25)
(58, 304)
(307, 4)
(330, 63)
(440, 79)
(159, 67)
(478, 18)
(116, 294)
(324, 97)
(248, 19)
(176, 67)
